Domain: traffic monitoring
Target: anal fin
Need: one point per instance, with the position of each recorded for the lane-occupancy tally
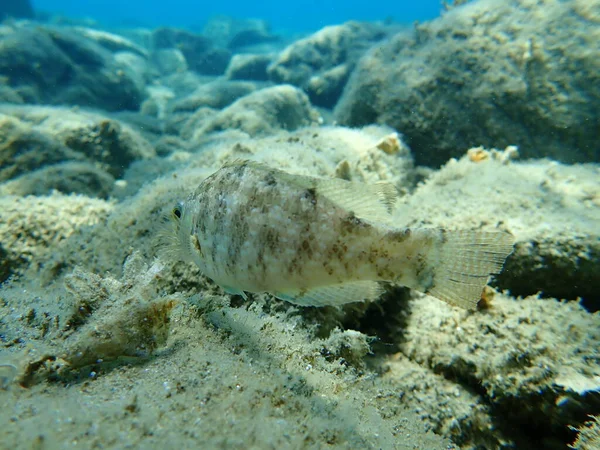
(333, 295)
(234, 291)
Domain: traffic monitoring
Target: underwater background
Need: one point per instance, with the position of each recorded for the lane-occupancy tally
(298, 16)
(476, 116)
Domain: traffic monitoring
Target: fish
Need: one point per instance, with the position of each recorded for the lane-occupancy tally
(252, 228)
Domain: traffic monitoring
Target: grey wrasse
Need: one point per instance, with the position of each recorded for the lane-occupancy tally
(317, 242)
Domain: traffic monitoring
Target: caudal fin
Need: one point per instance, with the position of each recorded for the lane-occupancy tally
(464, 262)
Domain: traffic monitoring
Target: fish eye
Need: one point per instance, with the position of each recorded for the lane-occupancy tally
(177, 211)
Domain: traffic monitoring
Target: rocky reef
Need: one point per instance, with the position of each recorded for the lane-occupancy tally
(485, 118)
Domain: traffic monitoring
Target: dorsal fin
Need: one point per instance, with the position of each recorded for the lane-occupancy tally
(373, 202)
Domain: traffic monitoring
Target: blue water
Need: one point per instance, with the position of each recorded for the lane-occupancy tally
(299, 15)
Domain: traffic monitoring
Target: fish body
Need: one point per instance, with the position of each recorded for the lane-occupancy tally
(316, 242)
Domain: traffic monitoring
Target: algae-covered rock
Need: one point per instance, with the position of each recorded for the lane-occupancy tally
(491, 73)
(216, 94)
(44, 135)
(466, 417)
(23, 149)
(113, 42)
(533, 360)
(265, 111)
(169, 61)
(67, 177)
(248, 67)
(200, 53)
(61, 66)
(32, 228)
(9, 95)
(312, 62)
(229, 376)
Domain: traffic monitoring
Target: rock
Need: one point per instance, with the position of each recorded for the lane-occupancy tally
(156, 104)
(135, 67)
(112, 42)
(16, 9)
(167, 145)
(530, 359)
(213, 62)
(486, 74)
(313, 57)
(234, 34)
(107, 142)
(68, 178)
(281, 107)
(216, 94)
(148, 126)
(200, 54)
(248, 67)
(31, 227)
(466, 417)
(5, 265)
(189, 43)
(59, 66)
(39, 136)
(326, 88)
(184, 83)
(169, 60)
(196, 122)
(24, 149)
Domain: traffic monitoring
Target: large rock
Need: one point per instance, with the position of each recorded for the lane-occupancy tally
(248, 67)
(533, 362)
(43, 148)
(68, 177)
(492, 73)
(321, 63)
(266, 111)
(61, 66)
(199, 51)
(23, 149)
(31, 227)
(216, 94)
(111, 41)
(169, 61)
(106, 142)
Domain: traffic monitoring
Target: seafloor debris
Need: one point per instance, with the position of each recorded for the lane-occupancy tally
(111, 320)
(479, 154)
(390, 144)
